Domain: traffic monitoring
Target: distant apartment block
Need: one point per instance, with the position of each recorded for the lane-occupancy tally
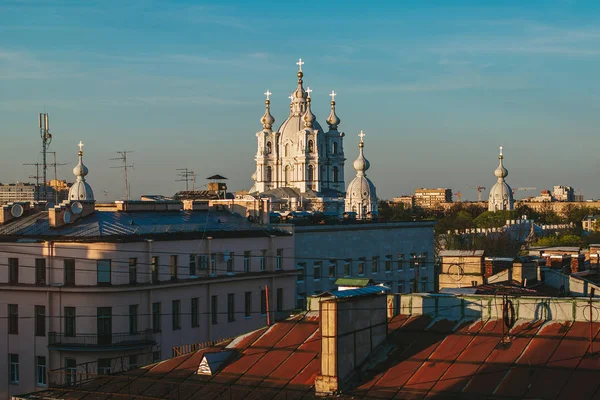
(431, 198)
(563, 193)
(408, 201)
(19, 192)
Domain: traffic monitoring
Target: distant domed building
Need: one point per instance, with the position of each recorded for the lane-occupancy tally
(501, 195)
(80, 190)
(361, 196)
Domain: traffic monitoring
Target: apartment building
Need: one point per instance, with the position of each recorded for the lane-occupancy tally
(131, 282)
(398, 254)
(15, 192)
(431, 198)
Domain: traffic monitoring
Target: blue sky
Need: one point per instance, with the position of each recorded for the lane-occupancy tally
(436, 85)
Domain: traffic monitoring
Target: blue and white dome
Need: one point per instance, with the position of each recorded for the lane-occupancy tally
(81, 190)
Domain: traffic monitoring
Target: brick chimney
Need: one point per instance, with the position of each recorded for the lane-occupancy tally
(352, 327)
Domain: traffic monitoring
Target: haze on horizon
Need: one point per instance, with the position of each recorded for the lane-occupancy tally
(436, 86)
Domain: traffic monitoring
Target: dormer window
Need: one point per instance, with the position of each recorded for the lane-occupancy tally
(311, 146)
(334, 148)
(269, 147)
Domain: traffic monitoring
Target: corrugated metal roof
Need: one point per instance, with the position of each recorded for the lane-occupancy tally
(104, 224)
(425, 358)
(354, 281)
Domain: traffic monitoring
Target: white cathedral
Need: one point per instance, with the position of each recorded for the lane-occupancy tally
(302, 166)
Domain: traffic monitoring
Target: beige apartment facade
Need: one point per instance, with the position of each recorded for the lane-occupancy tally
(129, 286)
(432, 198)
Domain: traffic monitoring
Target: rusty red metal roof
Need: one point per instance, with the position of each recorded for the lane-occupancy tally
(423, 358)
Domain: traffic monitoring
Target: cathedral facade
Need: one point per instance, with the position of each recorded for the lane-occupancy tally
(300, 154)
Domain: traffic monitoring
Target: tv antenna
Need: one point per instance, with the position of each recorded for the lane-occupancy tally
(187, 175)
(123, 157)
(54, 165)
(37, 179)
(46, 140)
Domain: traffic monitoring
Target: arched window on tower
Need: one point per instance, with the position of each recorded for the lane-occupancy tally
(269, 174)
(287, 173)
(269, 148)
(311, 146)
(311, 173)
(286, 150)
(336, 173)
(334, 148)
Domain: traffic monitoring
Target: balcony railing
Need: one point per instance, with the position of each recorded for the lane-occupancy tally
(94, 341)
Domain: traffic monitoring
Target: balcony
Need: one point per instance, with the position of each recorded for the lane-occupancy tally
(95, 342)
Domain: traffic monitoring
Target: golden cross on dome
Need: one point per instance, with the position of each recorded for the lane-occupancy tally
(268, 94)
(80, 146)
(361, 135)
(500, 150)
(308, 91)
(332, 95)
(300, 64)
(291, 97)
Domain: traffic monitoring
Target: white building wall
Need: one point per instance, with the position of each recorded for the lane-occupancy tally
(355, 241)
(86, 295)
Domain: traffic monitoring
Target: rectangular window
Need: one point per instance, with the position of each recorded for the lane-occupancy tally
(69, 267)
(230, 262)
(40, 321)
(317, 270)
(194, 313)
(203, 262)
(155, 356)
(13, 319)
(375, 264)
(248, 304)
(14, 368)
(231, 307)
(424, 285)
(176, 314)
(301, 268)
(13, 271)
(192, 268)
(133, 364)
(213, 264)
(347, 264)
(156, 317)
(132, 271)
(388, 263)
(413, 260)
(400, 262)
(279, 259)
(263, 260)
(103, 270)
(104, 325)
(411, 288)
(279, 301)
(155, 269)
(214, 310)
(400, 287)
(423, 260)
(70, 327)
(40, 371)
(263, 302)
(133, 319)
(173, 268)
(71, 369)
(361, 266)
(104, 366)
(332, 267)
(40, 271)
(246, 261)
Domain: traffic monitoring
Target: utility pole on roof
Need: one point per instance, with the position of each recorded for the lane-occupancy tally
(123, 157)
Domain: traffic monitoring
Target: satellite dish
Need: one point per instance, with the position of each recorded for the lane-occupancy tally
(67, 217)
(16, 211)
(76, 208)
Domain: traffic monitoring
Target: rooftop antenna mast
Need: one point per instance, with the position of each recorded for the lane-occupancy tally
(187, 175)
(37, 179)
(46, 140)
(54, 165)
(125, 167)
